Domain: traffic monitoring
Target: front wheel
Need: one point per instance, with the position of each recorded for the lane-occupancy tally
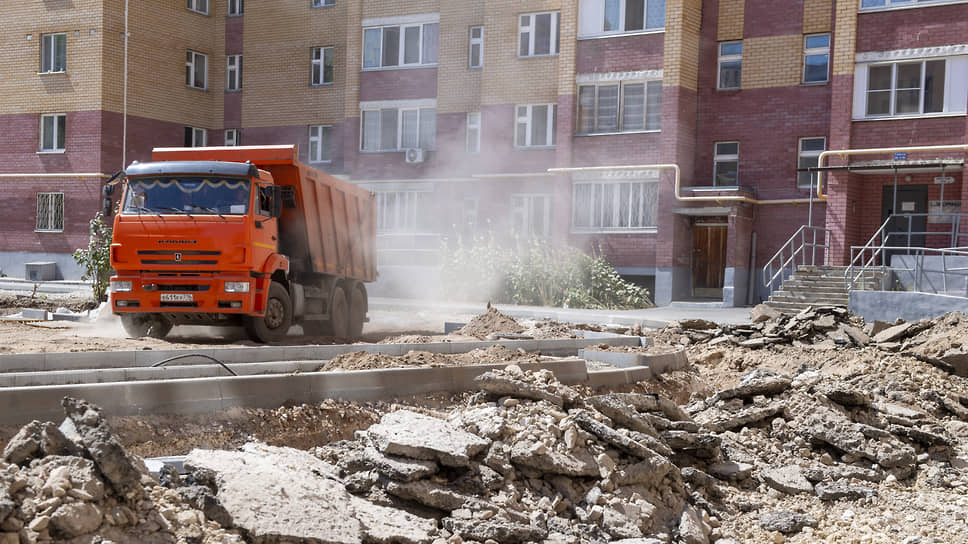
(139, 326)
(274, 325)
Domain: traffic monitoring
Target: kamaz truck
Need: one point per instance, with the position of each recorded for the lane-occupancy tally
(241, 236)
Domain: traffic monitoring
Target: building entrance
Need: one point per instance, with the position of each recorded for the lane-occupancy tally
(708, 260)
(903, 230)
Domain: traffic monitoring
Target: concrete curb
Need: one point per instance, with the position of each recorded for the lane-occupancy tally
(19, 405)
(48, 362)
(659, 363)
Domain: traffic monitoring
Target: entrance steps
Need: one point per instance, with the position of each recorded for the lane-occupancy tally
(816, 286)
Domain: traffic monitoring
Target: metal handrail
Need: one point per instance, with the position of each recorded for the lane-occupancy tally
(919, 269)
(781, 263)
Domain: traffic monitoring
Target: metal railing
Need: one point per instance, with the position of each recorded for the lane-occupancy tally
(885, 244)
(800, 250)
(921, 268)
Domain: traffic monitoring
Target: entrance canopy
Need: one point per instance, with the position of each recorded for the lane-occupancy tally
(890, 166)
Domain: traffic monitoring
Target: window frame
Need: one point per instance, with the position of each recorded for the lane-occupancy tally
(56, 199)
(721, 59)
(233, 137)
(527, 120)
(814, 52)
(529, 201)
(597, 199)
(236, 8)
(195, 132)
(808, 154)
(59, 138)
(472, 42)
(725, 158)
(193, 6)
(400, 110)
(322, 3)
(407, 213)
(233, 74)
(554, 36)
(316, 147)
(317, 58)
(423, 52)
(51, 48)
(190, 68)
(893, 90)
(472, 144)
(890, 5)
(620, 112)
(623, 23)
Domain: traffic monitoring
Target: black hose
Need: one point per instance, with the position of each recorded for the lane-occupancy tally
(159, 363)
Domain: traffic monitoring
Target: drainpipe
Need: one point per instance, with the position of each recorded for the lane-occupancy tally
(843, 153)
(124, 107)
(675, 167)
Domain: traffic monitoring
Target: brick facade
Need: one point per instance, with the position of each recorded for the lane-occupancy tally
(277, 104)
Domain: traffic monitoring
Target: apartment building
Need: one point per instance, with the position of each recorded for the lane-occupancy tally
(511, 119)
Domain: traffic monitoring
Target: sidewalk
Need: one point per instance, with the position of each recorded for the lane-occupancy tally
(651, 317)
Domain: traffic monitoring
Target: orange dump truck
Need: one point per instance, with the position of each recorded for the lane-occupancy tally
(241, 235)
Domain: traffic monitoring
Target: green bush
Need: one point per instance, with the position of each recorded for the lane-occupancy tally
(536, 273)
(96, 259)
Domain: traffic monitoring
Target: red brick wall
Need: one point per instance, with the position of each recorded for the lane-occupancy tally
(908, 132)
(299, 135)
(679, 107)
(20, 141)
(232, 112)
(619, 54)
(772, 18)
(910, 28)
(627, 250)
(233, 35)
(403, 84)
(604, 150)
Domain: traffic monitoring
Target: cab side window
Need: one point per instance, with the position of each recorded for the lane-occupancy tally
(265, 202)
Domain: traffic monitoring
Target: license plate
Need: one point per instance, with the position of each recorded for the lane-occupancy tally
(177, 297)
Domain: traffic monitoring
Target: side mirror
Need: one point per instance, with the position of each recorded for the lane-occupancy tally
(275, 199)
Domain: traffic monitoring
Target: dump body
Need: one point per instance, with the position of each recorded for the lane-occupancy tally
(248, 234)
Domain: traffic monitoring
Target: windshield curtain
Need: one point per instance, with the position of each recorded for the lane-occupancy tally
(187, 195)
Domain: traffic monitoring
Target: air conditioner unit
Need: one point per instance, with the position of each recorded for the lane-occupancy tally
(414, 155)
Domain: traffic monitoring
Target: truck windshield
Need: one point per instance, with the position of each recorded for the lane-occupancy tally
(187, 195)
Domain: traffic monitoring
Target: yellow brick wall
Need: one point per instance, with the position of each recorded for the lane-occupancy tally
(459, 87)
(569, 45)
(279, 37)
(22, 88)
(773, 61)
(162, 32)
(508, 79)
(845, 42)
(395, 8)
(731, 19)
(680, 63)
(352, 56)
(816, 16)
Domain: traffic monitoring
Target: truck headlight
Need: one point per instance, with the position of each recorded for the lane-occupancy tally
(120, 286)
(236, 287)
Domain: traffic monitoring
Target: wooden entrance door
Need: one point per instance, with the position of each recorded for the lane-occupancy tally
(708, 260)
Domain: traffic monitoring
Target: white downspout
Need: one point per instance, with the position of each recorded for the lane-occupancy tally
(124, 106)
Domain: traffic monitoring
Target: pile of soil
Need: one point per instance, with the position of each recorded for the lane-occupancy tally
(11, 304)
(490, 322)
(362, 360)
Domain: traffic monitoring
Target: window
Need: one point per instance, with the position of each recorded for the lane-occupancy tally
(200, 6)
(536, 125)
(531, 215)
(233, 73)
(403, 211)
(474, 132)
(633, 15)
(232, 137)
(874, 4)
(906, 88)
(400, 45)
(195, 137)
(320, 143)
(323, 3)
(196, 70)
(53, 56)
(322, 65)
(730, 65)
(52, 132)
(236, 7)
(538, 34)
(620, 107)
(395, 129)
(726, 164)
(614, 205)
(50, 212)
(809, 157)
(475, 53)
(816, 58)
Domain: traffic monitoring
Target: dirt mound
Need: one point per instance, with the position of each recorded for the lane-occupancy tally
(550, 329)
(362, 360)
(490, 322)
(43, 302)
(407, 339)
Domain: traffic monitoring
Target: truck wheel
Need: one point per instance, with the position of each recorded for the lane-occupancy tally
(357, 313)
(275, 324)
(138, 326)
(339, 314)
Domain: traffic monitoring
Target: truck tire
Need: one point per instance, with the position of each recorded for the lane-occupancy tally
(339, 314)
(274, 325)
(357, 313)
(139, 326)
